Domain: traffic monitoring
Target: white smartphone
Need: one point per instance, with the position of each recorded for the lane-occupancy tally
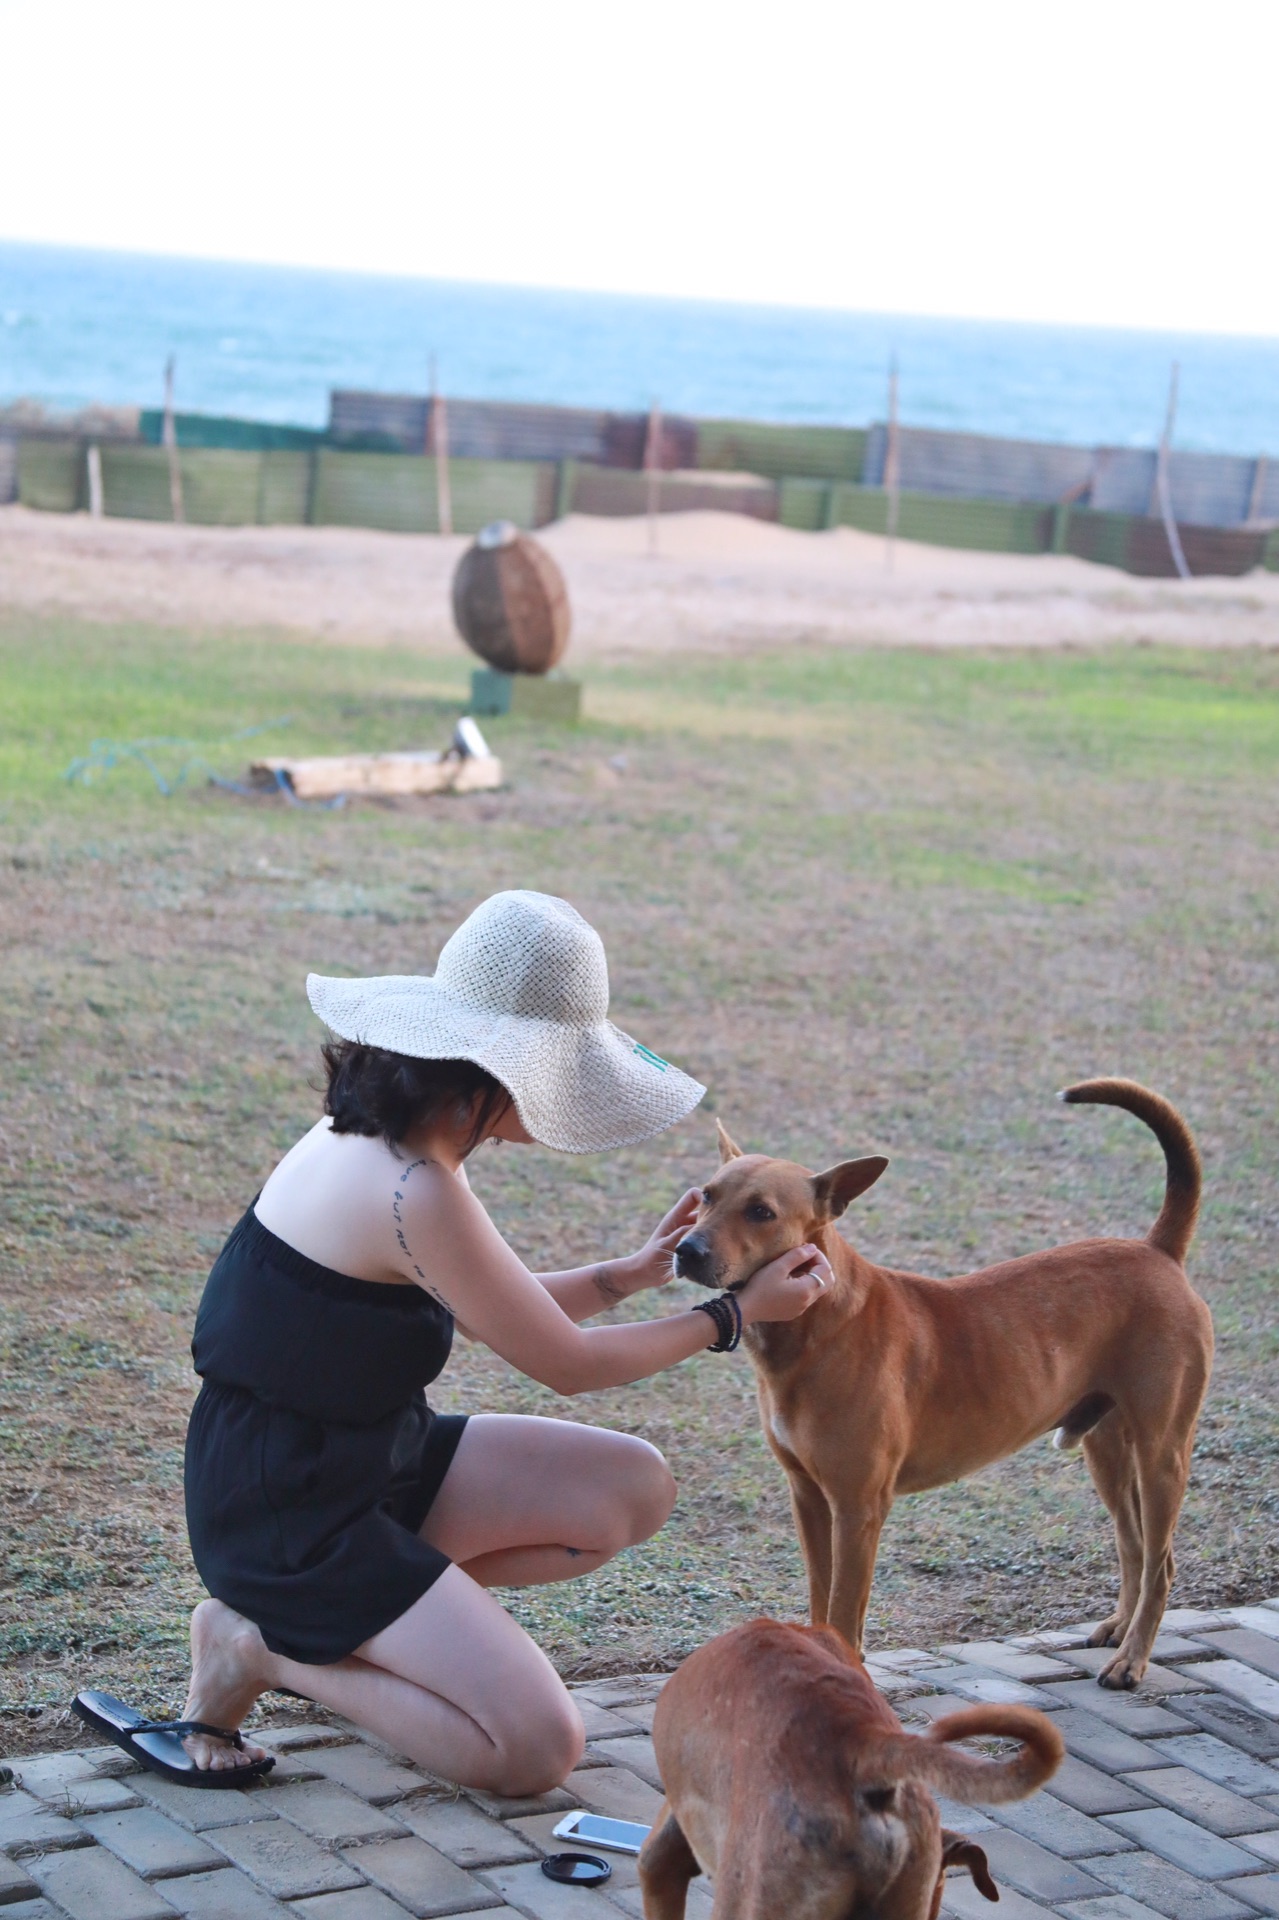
(618, 1836)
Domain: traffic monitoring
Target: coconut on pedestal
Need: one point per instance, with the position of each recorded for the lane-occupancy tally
(511, 607)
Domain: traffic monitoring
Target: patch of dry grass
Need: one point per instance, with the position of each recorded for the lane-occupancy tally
(877, 901)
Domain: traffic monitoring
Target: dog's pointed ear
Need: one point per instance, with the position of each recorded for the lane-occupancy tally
(839, 1186)
(957, 1851)
(728, 1147)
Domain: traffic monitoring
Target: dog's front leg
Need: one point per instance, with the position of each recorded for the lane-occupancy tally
(666, 1865)
(815, 1524)
(855, 1544)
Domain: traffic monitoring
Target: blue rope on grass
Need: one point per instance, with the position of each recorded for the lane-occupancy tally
(104, 756)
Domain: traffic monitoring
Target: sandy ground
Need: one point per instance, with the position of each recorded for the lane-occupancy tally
(717, 580)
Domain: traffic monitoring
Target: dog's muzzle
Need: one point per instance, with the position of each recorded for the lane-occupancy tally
(694, 1261)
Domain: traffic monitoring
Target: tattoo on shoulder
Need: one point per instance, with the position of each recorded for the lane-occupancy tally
(405, 1249)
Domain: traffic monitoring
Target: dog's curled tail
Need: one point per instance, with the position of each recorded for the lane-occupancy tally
(975, 1782)
(1175, 1228)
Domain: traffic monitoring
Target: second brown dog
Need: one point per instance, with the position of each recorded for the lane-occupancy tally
(793, 1784)
(892, 1382)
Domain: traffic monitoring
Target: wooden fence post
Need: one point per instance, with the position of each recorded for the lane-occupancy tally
(437, 443)
(1163, 487)
(892, 466)
(653, 468)
(170, 437)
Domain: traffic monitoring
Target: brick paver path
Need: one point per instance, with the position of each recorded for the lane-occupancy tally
(1167, 1805)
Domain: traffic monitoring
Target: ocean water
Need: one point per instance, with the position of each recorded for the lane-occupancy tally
(269, 342)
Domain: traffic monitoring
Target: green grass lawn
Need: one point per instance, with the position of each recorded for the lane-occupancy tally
(878, 901)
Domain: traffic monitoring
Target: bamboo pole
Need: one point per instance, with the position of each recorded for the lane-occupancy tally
(1162, 485)
(169, 435)
(653, 469)
(93, 468)
(892, 467)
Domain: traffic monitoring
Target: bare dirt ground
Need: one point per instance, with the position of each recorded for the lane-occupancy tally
(716, 581)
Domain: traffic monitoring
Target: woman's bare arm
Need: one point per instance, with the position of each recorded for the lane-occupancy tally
(581, 1292)
(479, 1279)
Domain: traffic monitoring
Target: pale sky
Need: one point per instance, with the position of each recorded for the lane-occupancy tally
(1107, 161)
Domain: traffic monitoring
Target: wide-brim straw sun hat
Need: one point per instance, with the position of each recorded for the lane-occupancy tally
(521, 989)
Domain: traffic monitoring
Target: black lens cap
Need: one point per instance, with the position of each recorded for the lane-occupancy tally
(577, 1869)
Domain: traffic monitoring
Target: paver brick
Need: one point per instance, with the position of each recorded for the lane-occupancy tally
(364, 1770)
(1063, 1830)
(26, 1823)
(1259, 1890)
(540, 1831)
(1234, 1723)
(634, 1751)
(1033, 1870)
(1097, 1742)
(1123, 1710)
(464, 1835)
(285, 1861)
(961, 1819)
(50, 1774)
(1175, 1646)
(528, 1888)
(1108, 1906)
(615, 1791)
(558, 1800)
(328, 1812)
(361, 1903)
(980, 1683)
(289, 1739)
(602, 1723)
(15, 1882)
(1217, 1761)
(1262, 1619)
(91, 1884)
(200, 1809)
(80, 1797)
(1092, 1791)
(1194, 1619)
(33, 1910)
(1270, 1801)
(1156, 1681)
(150, 1844)
(960, 1896)
(1265, 1845)
(623, 1691)
(419, 1877)
(1016, 1662)
(1175, 1838)
(1203, 1801)
(1243, 1643)
(641, 1712)
(697, 1906)
(1257, 1690)
(224, 1894)
(1050, 1638)
(1157, 1883)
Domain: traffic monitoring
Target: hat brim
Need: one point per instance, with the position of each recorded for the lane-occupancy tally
(577, 1089)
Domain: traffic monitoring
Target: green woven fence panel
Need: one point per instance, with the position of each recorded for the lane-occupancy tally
(219, 485)
(51, 475)
(752, 446)
(397, 492)
(1270, 557)
(803, 504)
(225, 430)
(1100, 537)
(284, 489)
(992, 526)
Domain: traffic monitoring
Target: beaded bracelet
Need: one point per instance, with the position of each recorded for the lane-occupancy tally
(727, 1315)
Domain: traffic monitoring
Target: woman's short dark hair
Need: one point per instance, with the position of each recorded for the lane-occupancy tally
(371, 1091)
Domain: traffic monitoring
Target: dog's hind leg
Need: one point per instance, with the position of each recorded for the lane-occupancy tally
(666, 1865)
(1163, 1468)
(1108, 1450)
(815, 1525)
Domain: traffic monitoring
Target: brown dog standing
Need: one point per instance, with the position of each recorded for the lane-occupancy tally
(891, 1382)
(792, 1783)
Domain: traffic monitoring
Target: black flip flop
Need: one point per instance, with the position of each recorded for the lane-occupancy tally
(157, 1744)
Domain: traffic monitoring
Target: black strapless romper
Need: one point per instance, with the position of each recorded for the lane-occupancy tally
(312, 1457)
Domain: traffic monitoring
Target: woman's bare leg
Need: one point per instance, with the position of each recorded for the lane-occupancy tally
(529, 1500)
(454, 1684)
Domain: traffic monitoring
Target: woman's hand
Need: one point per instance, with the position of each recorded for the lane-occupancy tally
(786, 1287)
(654, 1264)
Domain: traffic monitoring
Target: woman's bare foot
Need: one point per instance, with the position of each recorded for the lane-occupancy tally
(228, 1662)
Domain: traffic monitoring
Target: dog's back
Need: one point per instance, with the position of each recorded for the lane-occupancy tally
(792, 1782)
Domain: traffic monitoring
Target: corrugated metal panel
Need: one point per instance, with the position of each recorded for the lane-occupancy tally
(606, 491)
(284, 488)
(8, 468)
(752, 446)
(391, 421)
(506, 430)
(225, 430)
(51, 475)
(978, 466)
(219, 484)
(397, 492)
